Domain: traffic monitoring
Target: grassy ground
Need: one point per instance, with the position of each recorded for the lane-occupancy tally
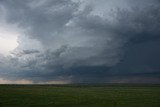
(79, 96)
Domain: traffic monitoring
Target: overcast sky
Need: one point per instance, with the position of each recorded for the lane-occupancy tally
(79, 41)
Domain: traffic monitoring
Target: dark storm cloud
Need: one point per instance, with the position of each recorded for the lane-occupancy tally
(25, 52)
(81, 45)
(61, 24)
(30, 51)
(41, 18)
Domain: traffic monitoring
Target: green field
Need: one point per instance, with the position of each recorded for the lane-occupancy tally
(79, 96)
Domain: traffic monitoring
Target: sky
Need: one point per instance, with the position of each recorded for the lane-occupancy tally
(79, 41)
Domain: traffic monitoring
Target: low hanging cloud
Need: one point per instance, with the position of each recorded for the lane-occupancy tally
(75, 35)
(25, 52)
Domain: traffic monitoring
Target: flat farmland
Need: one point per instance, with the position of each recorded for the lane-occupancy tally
(79, 96)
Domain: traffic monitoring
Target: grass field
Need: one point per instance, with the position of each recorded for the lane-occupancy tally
(79, 96)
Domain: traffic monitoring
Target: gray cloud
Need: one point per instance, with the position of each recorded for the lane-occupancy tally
(76, 37)
(25, 52)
